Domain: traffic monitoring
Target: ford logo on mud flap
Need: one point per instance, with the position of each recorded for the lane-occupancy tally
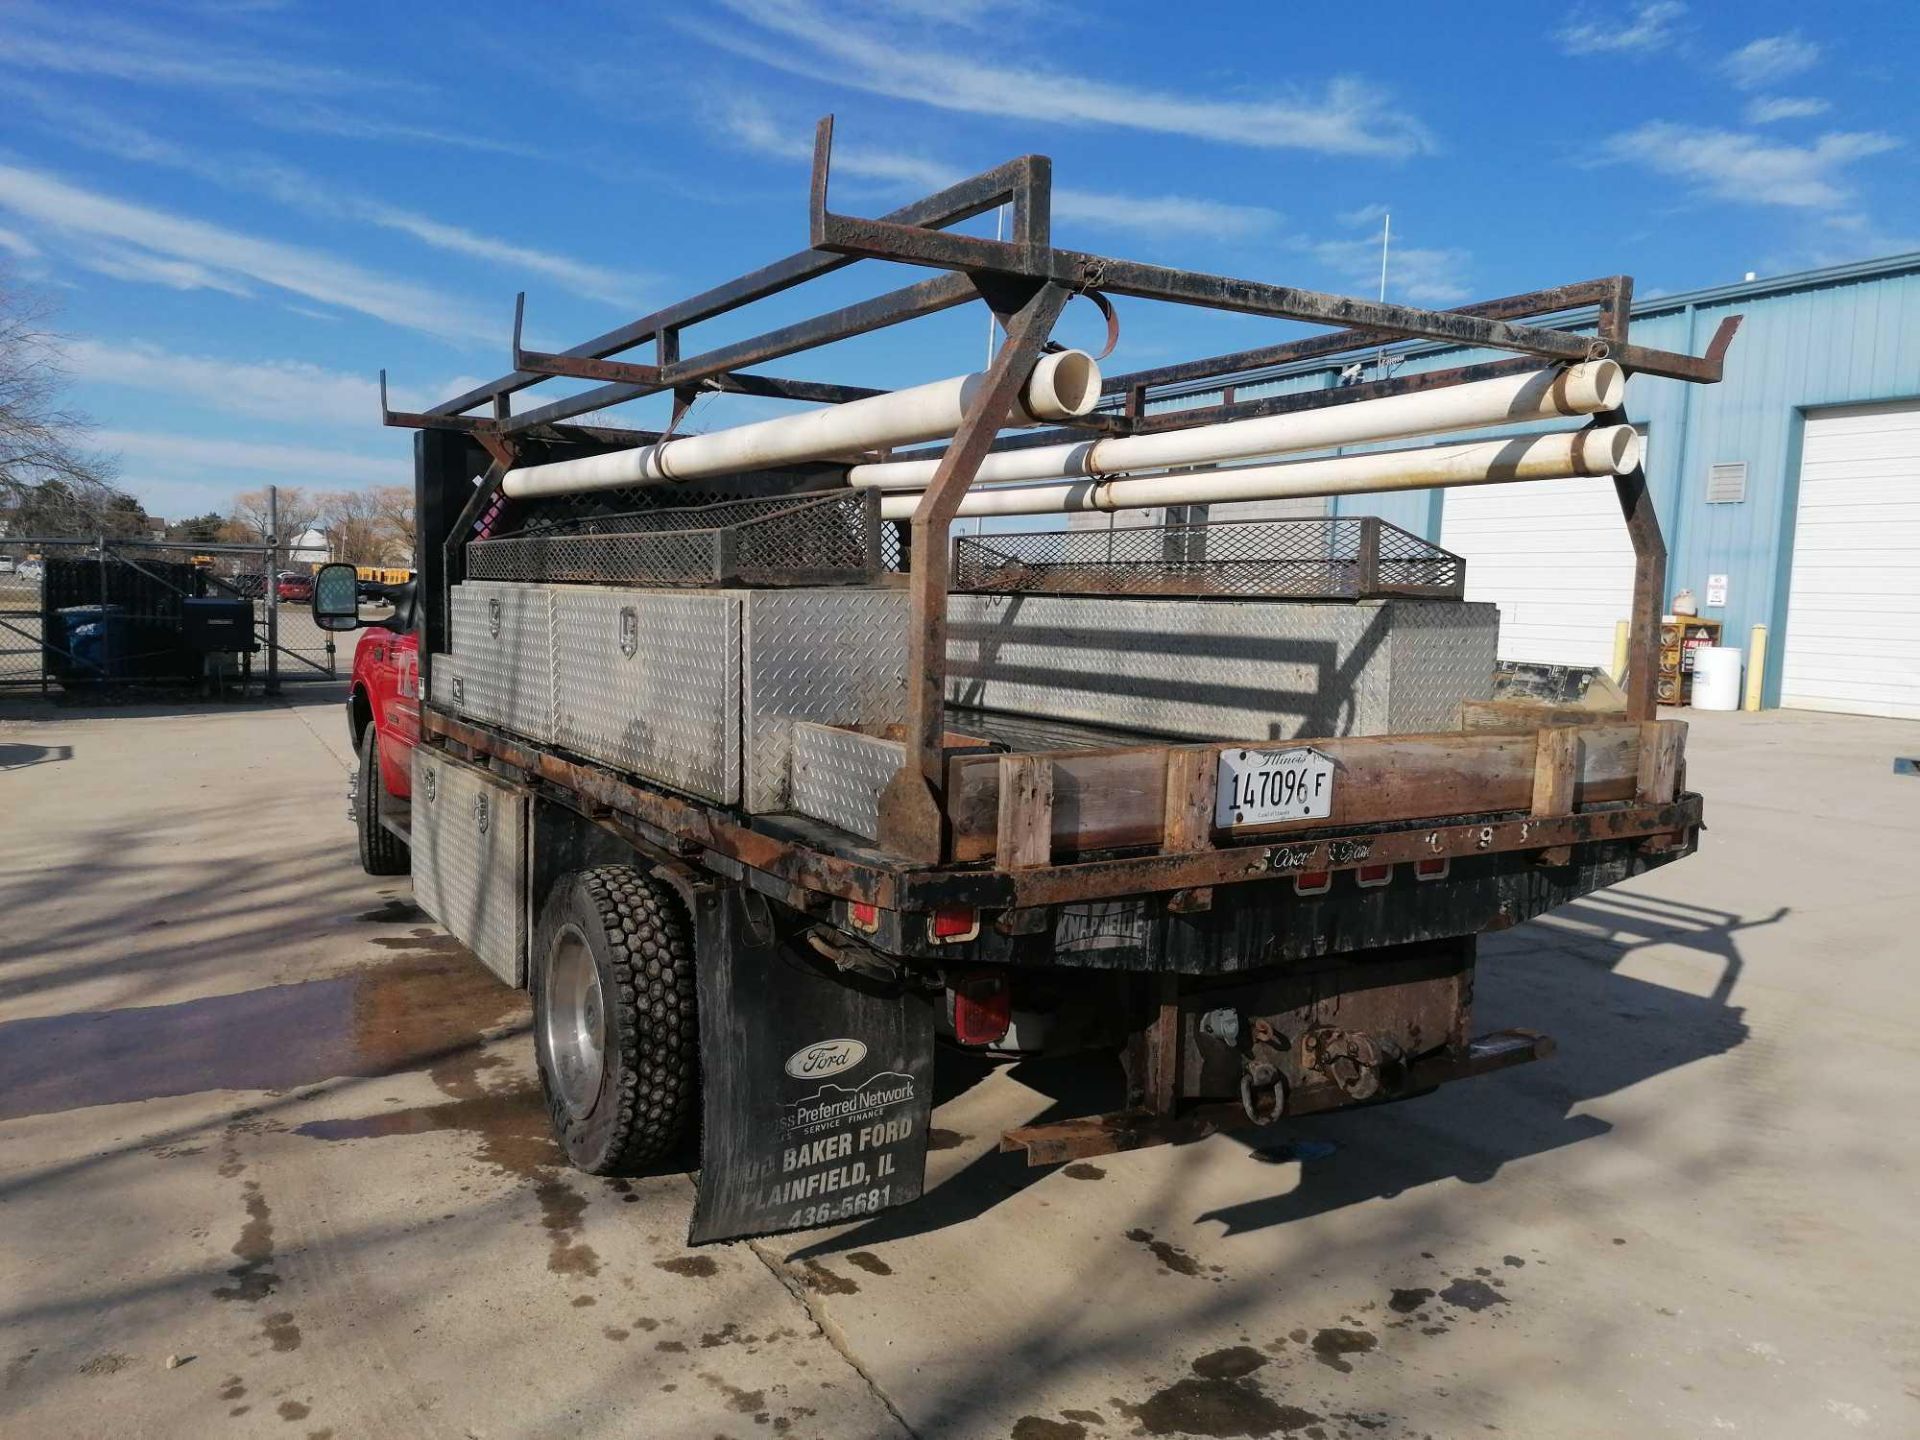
(825, 1057)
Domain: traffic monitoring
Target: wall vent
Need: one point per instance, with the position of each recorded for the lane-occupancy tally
(1727, 483)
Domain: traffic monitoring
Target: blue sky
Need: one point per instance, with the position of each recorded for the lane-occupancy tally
(246, 209)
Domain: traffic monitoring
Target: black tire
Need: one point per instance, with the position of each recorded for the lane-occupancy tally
(381, 851)
(633, 932)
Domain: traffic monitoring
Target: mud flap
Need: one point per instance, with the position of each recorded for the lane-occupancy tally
(816, 1087)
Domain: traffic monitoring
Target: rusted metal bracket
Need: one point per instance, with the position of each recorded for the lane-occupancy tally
(912, 818)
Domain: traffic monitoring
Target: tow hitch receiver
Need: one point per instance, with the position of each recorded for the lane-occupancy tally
(817, 1086)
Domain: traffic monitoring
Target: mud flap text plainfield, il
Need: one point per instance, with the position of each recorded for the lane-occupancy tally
(817, 1087)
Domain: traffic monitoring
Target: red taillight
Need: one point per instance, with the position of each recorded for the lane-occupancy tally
(1313, 882)
(863, 917)
(1431, 869)
(1373, 874)
(982, 1010)
(951, 923)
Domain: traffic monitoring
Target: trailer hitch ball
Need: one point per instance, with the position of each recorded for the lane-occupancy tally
(1263, 1093)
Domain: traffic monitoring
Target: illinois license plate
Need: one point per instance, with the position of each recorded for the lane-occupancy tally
(1264, 787)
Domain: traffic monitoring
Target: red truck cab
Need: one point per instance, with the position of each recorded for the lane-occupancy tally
(383, 718)
(385, 694)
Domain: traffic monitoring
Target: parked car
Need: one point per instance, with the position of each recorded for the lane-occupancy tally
(295, 586)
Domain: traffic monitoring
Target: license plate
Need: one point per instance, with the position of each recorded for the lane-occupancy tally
(1264, 787)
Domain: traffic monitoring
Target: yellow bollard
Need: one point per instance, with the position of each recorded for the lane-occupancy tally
(1620, 632)
(1756, 667)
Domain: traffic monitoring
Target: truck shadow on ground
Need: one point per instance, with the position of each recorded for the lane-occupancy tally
(1562, 974)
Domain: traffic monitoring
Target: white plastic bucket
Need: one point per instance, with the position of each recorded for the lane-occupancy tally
(1716, 677)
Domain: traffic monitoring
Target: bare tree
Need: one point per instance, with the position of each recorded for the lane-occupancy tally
(247, 515)
(352, 520)
(51, 480)
(395, 506)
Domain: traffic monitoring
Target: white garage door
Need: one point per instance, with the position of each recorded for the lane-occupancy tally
(1554, 556)
(1853, 604)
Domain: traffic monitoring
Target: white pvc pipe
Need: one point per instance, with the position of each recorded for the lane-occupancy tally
(1063, 386)
(1539, 395)
(1603, 450)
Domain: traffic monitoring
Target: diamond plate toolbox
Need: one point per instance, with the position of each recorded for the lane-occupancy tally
(1443, 653)
(649, 682)
(1205, 669)
(838, 775)
(469, 858)
(503, 645)
(835, 656)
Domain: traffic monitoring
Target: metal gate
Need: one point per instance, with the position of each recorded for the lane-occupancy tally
(86, 615)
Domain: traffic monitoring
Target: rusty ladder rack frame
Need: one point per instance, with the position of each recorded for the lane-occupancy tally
(1027, 282)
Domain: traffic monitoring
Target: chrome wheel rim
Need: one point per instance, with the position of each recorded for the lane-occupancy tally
(575, 1022)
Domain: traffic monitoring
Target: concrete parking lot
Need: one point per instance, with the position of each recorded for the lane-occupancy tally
(272, 1162)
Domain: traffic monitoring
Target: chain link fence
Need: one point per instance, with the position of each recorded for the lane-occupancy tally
(81, 616)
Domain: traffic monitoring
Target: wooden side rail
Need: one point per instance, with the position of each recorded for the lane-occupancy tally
(1162, 795)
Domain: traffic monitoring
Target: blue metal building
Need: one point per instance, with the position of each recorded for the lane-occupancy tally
(1789, 493)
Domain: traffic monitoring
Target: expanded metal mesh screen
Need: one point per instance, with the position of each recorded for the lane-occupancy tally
(785, 540)
(1304, 559)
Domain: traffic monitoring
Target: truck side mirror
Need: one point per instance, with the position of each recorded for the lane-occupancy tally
(336, 597)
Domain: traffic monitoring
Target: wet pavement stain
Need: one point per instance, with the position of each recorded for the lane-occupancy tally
(1038, 1427)
(253, 1278)
(1229, 1364)
(745, 1401)
(233, 1389)
(1405, 1302)
(1172, 1258)
(280, 1331)
(869, 1262)
(1474, 1295)
(671, 1347)
(694, 1267)
(1514, 1260)
(402, 1015)
(1080, 1170)
(110, 1363)
(1195, 1406)
(946, 1139)
(1085, 1417)
(614, 1332)
(562, 1212)
(294, 1410)
(581, 1302)
(393, 912)
(1331, 1346)
(816, 1276)
(511, 1125)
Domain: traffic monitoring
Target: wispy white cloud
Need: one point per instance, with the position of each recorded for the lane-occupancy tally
(229, 257)
(1650, 26)
(287, 391)
(121, 262)
(176, 454)
(1427, 275)
(1346, 116)
(308, 117)
(296, 189)
(1767, 109)
(71, 40)
(1775, 57)
(750, 126)
(17, 245)
(1734, 165)
(1365, 215)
